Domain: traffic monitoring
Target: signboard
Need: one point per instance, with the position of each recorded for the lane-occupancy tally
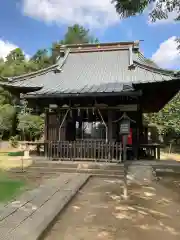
(125, 127)
(128, 107)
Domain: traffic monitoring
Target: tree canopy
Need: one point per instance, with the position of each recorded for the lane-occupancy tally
(160, 8)
(78, 34)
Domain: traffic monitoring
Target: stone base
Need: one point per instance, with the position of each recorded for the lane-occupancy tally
(140, 173)
(26, 154)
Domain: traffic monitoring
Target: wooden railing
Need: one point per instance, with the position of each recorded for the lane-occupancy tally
(92, 150)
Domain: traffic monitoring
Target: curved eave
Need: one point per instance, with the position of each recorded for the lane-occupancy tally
(140, 59)
(155, 69)
(20, 89)
(85, 94)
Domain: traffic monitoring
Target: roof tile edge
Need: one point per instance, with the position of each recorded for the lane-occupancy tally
(88, 47)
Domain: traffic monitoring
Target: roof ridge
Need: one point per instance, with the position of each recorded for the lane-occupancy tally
(98, 49)
(134, 43)
(158, 70)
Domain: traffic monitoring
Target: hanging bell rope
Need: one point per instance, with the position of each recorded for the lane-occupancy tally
(87, 113)
(93, 111)
(71, 113)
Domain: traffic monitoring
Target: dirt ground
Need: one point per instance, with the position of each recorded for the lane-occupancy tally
(172, 156)
(98, 212)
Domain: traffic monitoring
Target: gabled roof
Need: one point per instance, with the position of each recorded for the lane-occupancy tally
(92, 68)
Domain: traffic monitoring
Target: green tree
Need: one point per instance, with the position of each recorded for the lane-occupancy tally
(6, 118)
(78, 34)
(30, 126)
(41, 58)
(168, 119)
(5, 97)
(15, 56)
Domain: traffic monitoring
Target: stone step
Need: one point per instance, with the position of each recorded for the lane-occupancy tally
(78, 165)
(97, 172)
(30, 215)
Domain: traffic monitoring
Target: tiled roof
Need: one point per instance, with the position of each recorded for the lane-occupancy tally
(94, 69)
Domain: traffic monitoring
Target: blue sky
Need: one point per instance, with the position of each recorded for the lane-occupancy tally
(34, 24)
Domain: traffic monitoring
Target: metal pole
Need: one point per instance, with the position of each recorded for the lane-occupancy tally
(22, 161)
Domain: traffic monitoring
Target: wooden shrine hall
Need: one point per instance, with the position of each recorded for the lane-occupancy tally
(85, 94)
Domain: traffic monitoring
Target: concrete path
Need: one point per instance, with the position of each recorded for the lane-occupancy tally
(30, 215)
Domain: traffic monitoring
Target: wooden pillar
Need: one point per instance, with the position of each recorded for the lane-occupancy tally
(62, 124)
(110, 125)
(46, 133)
(137, 128)
(140, 126)
(146, 135)
(79, 130)
(71, 126)
(134, 143)
(46, 126)
(139, 132)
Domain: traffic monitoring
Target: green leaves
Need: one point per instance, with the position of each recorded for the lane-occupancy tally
(78, 34)
(7, 113)
(127, 8)
(15, 56)
(160, 8)
(168, 119)
(31, 125)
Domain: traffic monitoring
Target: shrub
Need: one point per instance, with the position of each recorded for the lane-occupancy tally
(14, 141)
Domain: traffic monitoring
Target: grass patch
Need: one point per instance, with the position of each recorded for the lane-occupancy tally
(13, 161)
(3, 154)
(9, 188)
(15, 154)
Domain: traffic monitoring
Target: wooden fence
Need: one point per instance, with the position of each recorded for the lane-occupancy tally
(84, 150)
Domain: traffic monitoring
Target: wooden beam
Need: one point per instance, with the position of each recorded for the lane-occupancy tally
(122, 107)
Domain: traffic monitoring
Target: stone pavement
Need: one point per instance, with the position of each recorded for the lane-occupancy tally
(31, 214)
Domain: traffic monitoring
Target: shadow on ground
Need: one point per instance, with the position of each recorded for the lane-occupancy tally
(99, 212)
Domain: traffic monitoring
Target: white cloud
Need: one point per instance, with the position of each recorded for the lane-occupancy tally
(167, 55)
(93, 13)
(6, 47)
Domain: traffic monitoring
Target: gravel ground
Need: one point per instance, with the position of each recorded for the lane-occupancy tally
(99, 212)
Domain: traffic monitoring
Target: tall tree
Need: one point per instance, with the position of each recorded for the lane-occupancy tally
(6, 118)
(78, 34)
(15, 56)
(41, 58)
(75, 34)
